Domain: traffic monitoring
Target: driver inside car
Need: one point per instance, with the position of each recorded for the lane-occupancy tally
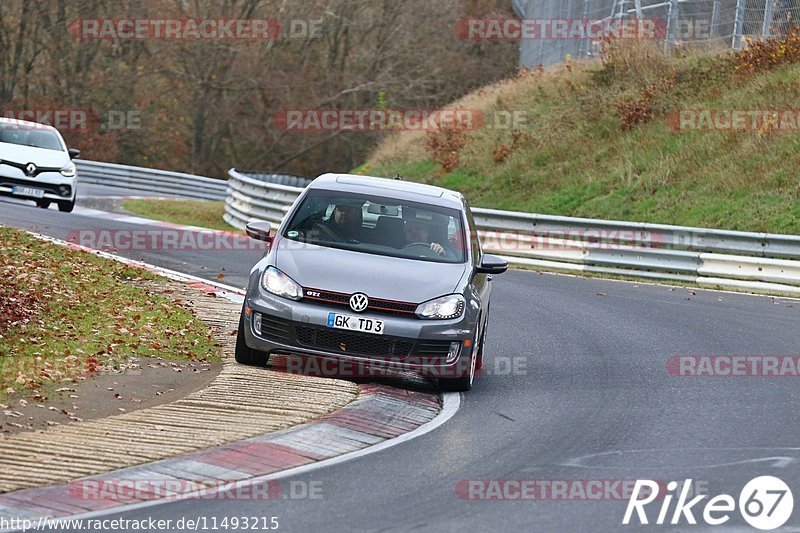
(418, 233)
(343, 225)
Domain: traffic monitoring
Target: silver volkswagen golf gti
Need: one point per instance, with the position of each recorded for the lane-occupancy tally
(374, 272)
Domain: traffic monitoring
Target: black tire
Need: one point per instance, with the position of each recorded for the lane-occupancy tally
(479, 361)
(43, 204)
(243, 353)
(66, 207)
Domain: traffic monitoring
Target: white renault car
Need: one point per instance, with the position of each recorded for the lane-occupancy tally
(35, 164)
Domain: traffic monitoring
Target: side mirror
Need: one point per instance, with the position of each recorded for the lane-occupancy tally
(260, 230)
(73, 153)
(491, 264)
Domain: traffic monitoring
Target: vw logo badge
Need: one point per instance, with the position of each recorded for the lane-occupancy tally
(359, 302)
(30, 169)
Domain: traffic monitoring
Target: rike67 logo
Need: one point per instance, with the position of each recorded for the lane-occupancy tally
(765, 503)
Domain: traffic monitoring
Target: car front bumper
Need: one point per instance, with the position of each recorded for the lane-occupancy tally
(295, 328)
(50, 182)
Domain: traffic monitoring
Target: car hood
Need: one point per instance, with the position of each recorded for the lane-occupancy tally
(41, 157)
(391, 278)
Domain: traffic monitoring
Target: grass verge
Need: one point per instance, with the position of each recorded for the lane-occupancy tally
(201, 213)
(600, 141)
(66, 314)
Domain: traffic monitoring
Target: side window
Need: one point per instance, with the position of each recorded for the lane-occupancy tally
(473, 236)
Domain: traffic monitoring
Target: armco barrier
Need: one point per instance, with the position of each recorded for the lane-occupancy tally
(757, 262)
(160, 182)
(250, 198)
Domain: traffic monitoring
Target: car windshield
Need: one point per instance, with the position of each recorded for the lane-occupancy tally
(381, 226)
(37, 137)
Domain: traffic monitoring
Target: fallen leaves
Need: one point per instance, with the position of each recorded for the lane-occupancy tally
(66, 315)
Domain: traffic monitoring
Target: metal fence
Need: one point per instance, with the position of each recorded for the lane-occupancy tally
(718, 23)
(757, 262)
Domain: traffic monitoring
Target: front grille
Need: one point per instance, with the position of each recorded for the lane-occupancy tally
(345, 342)
(375, 304)
(389, 305)
(330, 297)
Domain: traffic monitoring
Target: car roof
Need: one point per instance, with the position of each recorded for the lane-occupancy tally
(37, 125)
(394, 188)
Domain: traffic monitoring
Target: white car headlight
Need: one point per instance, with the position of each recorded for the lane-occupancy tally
(69, 170)
(444, 308)
(280, 284)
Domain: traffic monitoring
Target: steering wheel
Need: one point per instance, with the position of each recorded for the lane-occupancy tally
(424, 245)
(326, 230)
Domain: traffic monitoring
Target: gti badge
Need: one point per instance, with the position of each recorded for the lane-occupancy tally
(359, 302)
(30, 169)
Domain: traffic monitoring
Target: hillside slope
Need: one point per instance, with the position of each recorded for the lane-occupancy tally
(602, 141)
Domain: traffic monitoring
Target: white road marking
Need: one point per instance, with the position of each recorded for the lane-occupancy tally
(780, 461)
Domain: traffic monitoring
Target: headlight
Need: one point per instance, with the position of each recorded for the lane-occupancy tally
(444, 308)
(280, 284)
(69, 170)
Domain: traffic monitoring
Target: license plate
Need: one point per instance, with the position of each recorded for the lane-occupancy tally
(355, 323)
(27, 191)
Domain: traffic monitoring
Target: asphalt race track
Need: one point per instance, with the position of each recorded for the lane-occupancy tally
(577, 388)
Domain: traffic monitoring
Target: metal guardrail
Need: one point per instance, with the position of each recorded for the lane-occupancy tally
(756, 262)
(250, 198)
(161, 182)
(646, 235)
(278, 179)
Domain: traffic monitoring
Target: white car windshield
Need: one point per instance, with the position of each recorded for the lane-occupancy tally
(24, 135)
(381, 226)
